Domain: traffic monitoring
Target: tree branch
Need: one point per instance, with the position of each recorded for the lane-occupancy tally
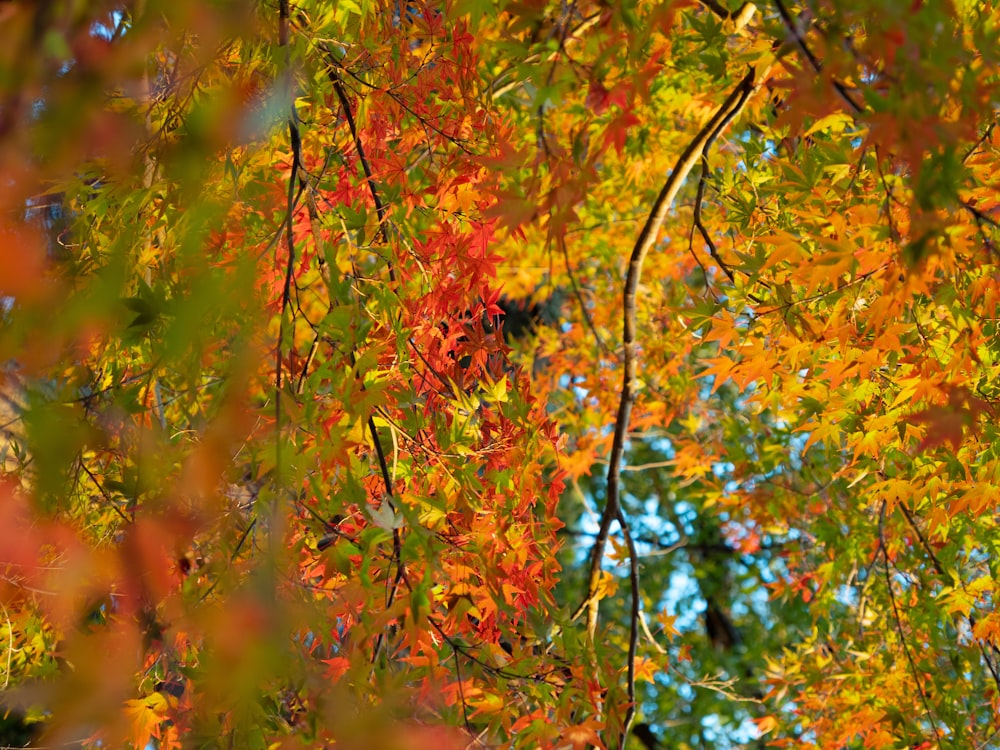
(944, 578)
(397, 544)
(730, 108)
(338, 87)
(814, 61)
(899, 623)
(295, 141)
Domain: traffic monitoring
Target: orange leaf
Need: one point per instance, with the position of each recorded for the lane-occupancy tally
(766, 724)
(146, 715)
(645, 669)
(667, 622)
(582, 736)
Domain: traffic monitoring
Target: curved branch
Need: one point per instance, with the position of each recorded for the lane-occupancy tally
(647, 237)
(729, 109)
(295, 140)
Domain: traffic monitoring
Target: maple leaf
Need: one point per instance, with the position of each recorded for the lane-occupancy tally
(607, 585)
(513, 211)
(645, 669)
(146, 715)
(668, 623)
(583, 735)
(617, 130)
(487, 704)
(947, 423)
(619, 550)
(247, 313)
(766, 724)
(598, 97)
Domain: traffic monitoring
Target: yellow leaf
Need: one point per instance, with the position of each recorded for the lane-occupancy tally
(489, 703)
(691, 423)
(766, 724)
(145, 715)
(607, 585)
(496, 393)
(645, 669)
(667, 623)
(957, 601)
(938, 523)
(834, 123)
(620, 553)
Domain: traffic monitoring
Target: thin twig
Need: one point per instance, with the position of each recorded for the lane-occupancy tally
(939, 569)
(295, 140)
(104, 492)
(635, 614)
(232, 558)
(505, 674)
(814, 61)
(579, 298)
(397, 543)
(461, 692)
(899, 622)
(716, 8)
(380, 210)
(700, 226)
(10, 646)
(987, 134)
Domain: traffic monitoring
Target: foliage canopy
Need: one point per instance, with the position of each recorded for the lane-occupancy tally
(460, 373)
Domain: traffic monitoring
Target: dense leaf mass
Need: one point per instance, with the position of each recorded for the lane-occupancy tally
(499, 373)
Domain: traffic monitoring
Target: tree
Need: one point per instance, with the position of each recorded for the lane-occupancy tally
(276, 476)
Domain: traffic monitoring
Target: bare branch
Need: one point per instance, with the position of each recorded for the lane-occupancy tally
(729, 109)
